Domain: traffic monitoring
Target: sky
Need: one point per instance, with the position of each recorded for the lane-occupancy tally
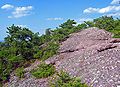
(39, 15)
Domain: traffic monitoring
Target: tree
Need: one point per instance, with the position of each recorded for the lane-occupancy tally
(23, 40)
(68, 24)
(89, 23)
(105, 22)
(18, 47)
(48, 31)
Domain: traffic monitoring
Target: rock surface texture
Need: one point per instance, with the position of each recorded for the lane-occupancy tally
(92, 54)
(28, 80)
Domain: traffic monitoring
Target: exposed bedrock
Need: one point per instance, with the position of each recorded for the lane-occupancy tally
(93, 55)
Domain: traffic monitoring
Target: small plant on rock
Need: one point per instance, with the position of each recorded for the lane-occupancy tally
(64, 80)
(20, 72)
(43, 71)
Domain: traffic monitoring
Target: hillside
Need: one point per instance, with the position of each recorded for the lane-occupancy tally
(91, 54)
(71, 55)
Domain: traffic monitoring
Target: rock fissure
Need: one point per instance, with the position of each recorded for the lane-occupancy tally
(107, 48)
(69, 51)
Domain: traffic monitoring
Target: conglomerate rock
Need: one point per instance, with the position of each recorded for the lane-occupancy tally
(91, 54)
(28, 80)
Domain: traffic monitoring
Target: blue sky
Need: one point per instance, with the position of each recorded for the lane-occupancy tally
(39, 15)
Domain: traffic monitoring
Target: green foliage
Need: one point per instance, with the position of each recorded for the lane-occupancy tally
(22, 45)
(108, 23)
(50, 50)
(20, 72)
(15, 59)
(105, 22)
(48, 31)
(43, 71)
(47, 51)
(116, 33)
(64, 80)
(38, 54)
(22, 41)
(89, 23)
(81, 26)
(4, 68)
(1, 84)
(17, 48)
(68, 24)
(116, 30)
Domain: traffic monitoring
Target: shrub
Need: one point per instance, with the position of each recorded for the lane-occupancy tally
(64, 80)
(49, 50)
(116, 33)
(43, 71)
(1, 84)
(38, 54)
(20, 72)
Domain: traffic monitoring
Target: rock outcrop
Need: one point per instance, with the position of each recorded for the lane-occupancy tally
(28, 80)
(91, 54)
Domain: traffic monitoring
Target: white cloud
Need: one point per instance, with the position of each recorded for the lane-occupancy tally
(114, 14)
(102, 10)
(85, 19)
(115, 2)
(7, 6)
(91, 10)
(21, 11)
(109, 9)
(81, 20)
(21, 25)
(55, 19)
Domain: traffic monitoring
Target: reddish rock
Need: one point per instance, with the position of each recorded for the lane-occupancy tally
(93, 55)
